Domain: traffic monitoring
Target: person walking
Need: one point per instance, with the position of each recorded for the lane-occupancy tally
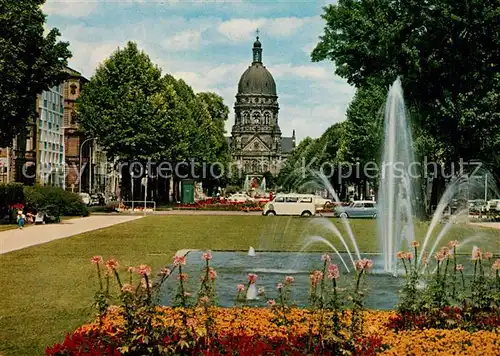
(21, 218)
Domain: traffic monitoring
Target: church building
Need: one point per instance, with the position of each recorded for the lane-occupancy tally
(256, 143)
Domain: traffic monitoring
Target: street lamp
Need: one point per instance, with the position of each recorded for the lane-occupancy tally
(80, 169)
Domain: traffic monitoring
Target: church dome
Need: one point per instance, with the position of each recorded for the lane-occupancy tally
(257, 79)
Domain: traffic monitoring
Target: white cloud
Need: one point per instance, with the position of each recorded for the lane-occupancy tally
(244, 29)
(314, 72)
(185, 40)
(70, 8)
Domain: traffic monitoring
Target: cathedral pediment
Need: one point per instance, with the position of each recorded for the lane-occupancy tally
(256, 145)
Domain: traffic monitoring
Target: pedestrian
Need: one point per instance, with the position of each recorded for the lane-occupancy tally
(20, 219)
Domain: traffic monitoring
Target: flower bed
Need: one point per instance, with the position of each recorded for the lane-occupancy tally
(446, 317)
(222, 206)
(256, 329)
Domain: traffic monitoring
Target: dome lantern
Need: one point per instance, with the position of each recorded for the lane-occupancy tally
(257, 79)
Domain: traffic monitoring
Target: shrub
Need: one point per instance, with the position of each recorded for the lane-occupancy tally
(11, 199)
(41, 197)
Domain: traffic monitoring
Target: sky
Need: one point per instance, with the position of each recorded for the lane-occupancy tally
(208, 43)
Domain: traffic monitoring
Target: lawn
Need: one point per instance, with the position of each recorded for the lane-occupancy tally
(47, 289)
(7, 227)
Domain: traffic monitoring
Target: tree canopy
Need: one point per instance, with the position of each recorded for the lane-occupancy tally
(136, 113)
(447, 53)
(30, 62)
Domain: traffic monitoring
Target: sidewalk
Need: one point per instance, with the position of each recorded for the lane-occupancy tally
(16, 239)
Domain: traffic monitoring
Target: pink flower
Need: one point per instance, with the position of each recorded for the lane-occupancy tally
(496, 265)
(144, 270)
(96, 259)
(212, 274)
(453, 244)
(279, 286)
(446, 251)
(316, 277)
(252, 277)
(439, 256)
(364, 264)
(415, 244)
(127, 288)
(131, 269)
(289, 280)
(326, 258)
(271, 303)
(425, 260)
(400, 255)
(408, 256)
(165, 272)
(204, 300)
(460, 268)
(476, 253)
(240, 288)
(488, 255)
(179, 260)
(333, 272)
(182, 277)
(207, 256)
(112, 264)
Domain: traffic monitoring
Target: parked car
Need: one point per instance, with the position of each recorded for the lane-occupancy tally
(85, 198)
(493, 205)
(239, 198)
(291, 204)
(321, 202)
(477, 205)
(97, 199)
(358, 209)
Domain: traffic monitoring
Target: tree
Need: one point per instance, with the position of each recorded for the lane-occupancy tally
(126, 106)
(447, 53)
(30, 62)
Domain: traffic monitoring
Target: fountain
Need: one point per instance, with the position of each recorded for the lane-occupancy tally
(252, 292)
(251, 251)
(262, 187)
(396, 195)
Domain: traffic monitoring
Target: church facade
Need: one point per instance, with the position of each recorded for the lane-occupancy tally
(256, 143)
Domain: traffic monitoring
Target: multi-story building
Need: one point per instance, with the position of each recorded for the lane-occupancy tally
(73, 137)
(50, 168)
(17, 162)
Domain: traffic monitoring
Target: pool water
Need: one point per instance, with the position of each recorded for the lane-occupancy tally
(381, 290)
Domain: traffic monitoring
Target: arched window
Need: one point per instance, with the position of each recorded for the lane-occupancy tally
(246, 118)
(267, 118)
(256, 118)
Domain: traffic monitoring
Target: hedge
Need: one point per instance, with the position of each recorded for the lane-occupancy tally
(68, 203)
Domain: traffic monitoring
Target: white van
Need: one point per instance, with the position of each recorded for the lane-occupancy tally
(291, 204)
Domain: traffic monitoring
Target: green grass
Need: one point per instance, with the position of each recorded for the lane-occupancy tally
(7, 227)
(47, 289)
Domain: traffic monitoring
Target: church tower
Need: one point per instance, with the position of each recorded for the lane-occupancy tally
(256, 142)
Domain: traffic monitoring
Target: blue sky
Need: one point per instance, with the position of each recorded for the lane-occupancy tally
(209, 45)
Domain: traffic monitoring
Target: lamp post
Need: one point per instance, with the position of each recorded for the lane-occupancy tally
(80, 169)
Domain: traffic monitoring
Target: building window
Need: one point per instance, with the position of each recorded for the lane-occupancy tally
(73, 89)
(41, 123)
(50, 126)
(54, 106)
(44, 103)
(45, 145)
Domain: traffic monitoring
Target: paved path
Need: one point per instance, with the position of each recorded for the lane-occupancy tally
(16, 239)
(493, 225)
